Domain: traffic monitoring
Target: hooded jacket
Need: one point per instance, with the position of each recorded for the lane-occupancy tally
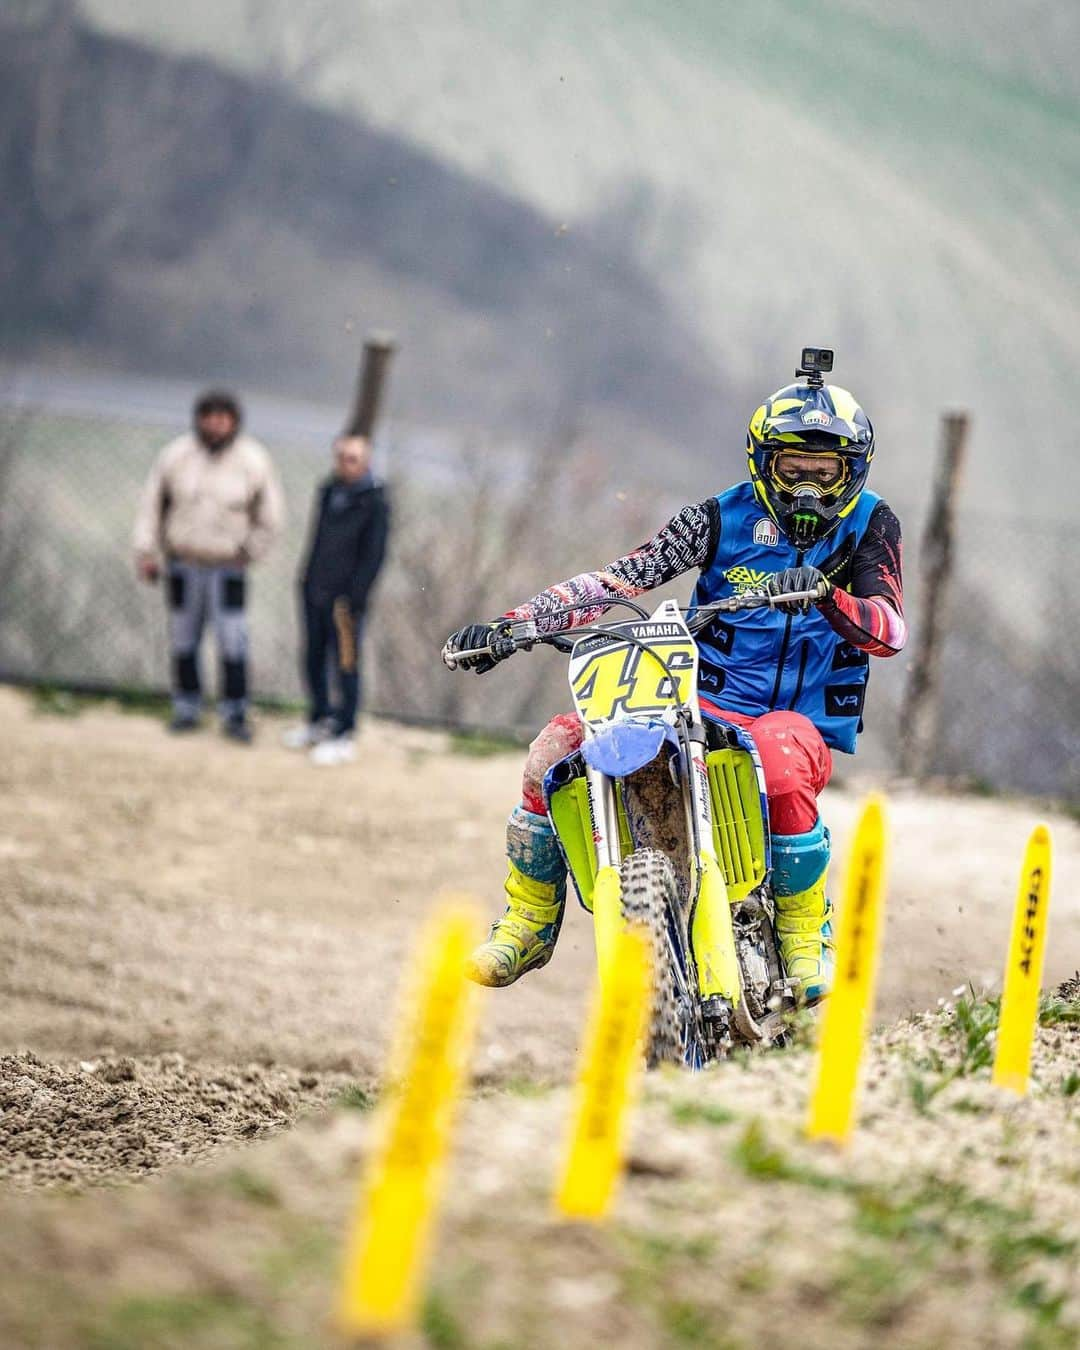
(347, 544)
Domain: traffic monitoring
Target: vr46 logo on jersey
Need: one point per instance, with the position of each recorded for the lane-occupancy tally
(746, 579)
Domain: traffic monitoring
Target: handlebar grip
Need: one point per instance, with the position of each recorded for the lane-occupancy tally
(451, 660)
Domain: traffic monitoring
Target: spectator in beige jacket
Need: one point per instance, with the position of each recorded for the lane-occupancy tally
(211, 506)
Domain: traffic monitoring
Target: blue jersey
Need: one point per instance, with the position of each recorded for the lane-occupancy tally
(758, 660)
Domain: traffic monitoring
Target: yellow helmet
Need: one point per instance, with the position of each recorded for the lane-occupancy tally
(816, 420)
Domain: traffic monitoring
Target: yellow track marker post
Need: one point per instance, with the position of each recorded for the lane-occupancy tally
(1024, 967)
(391, 1231)
(608, 1068)
(848, 1008)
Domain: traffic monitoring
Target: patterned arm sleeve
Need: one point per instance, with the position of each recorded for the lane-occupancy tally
(688, 540)
(871, 615)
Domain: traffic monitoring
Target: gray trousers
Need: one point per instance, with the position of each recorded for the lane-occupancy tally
(196, 593)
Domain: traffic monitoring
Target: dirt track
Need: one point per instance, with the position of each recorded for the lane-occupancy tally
(219, 914)
(199, 945)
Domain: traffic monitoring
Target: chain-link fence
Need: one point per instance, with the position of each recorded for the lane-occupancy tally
(472, 536)
(473, 531)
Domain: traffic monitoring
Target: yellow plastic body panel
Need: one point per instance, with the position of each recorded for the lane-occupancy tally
(738, 823)
(573, 823)
(607, 919)
(712, 935)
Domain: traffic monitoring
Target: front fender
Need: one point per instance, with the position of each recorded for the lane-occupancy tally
(621, 748)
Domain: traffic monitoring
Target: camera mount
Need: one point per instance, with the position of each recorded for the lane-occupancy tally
(815, 362)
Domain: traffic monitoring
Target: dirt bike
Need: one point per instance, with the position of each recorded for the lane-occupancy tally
(663, 823)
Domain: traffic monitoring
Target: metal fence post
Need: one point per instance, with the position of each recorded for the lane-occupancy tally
(919, 714)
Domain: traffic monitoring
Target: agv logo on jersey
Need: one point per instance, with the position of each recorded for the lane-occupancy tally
(766, 532)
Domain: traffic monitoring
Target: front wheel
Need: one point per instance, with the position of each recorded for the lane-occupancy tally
(650, 902)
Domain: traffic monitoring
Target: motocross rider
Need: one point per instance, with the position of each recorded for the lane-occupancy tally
(794, 675)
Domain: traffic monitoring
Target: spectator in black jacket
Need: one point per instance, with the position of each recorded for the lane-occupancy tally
(345, 551)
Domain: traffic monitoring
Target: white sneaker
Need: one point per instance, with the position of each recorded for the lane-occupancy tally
(304, 736)
(337, 750)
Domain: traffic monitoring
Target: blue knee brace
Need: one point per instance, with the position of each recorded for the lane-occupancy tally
(799, 860)
(532, 847)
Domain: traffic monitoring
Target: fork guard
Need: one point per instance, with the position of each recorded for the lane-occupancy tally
(712, 935)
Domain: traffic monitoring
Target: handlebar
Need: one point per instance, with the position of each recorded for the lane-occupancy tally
(522, 634)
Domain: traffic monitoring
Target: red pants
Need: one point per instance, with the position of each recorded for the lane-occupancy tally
(796, 761)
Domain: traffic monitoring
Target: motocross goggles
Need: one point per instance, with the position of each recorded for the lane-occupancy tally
(808, 487)
(793, 472)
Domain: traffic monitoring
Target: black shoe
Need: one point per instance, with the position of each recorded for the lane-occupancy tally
(182, 721)
(239, 729)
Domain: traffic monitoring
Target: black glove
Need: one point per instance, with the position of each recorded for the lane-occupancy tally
(494, 636)
(795, 579)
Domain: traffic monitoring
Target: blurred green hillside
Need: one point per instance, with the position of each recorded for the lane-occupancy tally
(902, 183)
(169, 216)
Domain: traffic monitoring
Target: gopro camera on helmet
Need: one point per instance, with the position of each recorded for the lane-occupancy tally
(815, 362)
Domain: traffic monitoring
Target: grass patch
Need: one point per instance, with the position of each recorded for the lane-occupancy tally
(659, 1250)
(57, 700)
(872, 1290)
(62, 700)
(520, 1086)
(482, 744)
(911, 1228)
(172, 1322)
(687, 1323)
(1070, 1084)
(49, 701)
(356, 1098)
(965, 1106)
(654, 1262)
(758, 1157)
(1058, 1012)
(439, 1324)
(1044, 1307)
(700, 1113)
(922, 1090)
(309, 1249)
(968, 1029)
(253, 1188)
(973, 1026)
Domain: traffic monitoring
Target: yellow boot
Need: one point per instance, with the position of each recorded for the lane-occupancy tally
(803, 912)
(524, 938)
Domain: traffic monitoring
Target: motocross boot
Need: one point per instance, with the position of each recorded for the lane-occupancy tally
(524, 938)
(803, 911)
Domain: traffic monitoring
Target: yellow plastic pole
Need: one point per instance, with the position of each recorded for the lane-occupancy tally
(848, 1008)
(389, 1241)
(1024, 967)
(607, 1072)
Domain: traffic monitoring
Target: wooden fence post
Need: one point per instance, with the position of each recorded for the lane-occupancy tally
(919, 714)
(379, 348)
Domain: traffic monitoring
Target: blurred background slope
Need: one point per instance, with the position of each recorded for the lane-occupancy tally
(905, 181)
(601, 233)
